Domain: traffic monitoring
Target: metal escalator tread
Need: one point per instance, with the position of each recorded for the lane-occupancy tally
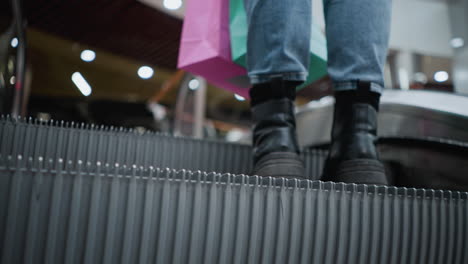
(108, 145)
(52, 211)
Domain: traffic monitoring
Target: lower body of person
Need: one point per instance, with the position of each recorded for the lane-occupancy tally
(278, 48)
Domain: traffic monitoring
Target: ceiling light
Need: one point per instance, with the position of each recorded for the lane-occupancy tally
(441, 76)
(457, 43)
(239, 98)
(88, 55)
(234, 135)
(145, 72)
(81, 83)
(420, 77)
(172, 4)
(193, 84)
(14, 42)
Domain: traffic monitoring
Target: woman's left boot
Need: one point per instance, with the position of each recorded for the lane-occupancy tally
(353, 157)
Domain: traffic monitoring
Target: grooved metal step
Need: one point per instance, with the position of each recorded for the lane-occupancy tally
(108, 145)
(73, 212)
(90, 195)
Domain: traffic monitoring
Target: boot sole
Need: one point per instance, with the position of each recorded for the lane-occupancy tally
(361, 171)
(281, 165)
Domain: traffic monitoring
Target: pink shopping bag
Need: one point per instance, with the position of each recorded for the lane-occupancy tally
(205, 47)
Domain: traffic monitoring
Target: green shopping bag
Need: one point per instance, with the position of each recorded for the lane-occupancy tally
(238, 32)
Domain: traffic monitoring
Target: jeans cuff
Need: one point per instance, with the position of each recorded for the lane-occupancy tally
(353, 85)
(290, 76)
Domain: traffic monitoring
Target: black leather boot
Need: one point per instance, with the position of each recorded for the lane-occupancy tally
(353, 157)
(275, 147)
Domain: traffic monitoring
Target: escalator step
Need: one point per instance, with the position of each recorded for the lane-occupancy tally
(71, 141)
(53, 211)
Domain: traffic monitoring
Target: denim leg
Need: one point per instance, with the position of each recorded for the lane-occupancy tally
(278, 39)
(357, 36)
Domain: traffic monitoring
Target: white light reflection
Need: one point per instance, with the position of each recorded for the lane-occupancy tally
(172, 4)
(239, 98)
(457, 43)
(145, 72)
(441, 76)
(14, 42)
(193, 84)
(81, 83)
(88, 55)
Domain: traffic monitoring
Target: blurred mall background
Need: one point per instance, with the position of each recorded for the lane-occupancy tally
(72, 194)
(115, 63)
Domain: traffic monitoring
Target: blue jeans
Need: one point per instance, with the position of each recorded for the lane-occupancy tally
(357, 40)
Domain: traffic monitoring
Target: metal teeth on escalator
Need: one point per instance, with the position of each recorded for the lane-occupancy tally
(57, 211)
(83, 194)
(73, 141)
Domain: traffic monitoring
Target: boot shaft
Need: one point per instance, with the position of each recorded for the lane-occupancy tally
(274, 128)
(354, 132)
